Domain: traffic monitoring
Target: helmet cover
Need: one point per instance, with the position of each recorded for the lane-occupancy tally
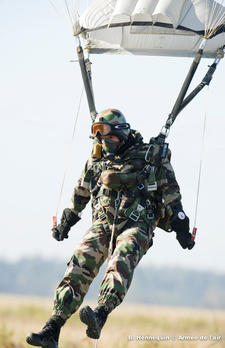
(114, 117)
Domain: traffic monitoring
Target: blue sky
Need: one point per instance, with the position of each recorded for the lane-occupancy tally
(40, 90)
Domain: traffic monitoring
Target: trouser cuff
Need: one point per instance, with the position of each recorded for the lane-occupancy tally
(59, 320)
(108, 305)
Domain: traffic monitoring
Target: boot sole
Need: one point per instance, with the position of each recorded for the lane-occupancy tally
(35, 341)
(87, 316)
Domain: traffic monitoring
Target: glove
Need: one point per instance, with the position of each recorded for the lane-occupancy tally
(68, 219)
(180, 224)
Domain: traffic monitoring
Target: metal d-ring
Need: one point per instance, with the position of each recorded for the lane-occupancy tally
(147, 157)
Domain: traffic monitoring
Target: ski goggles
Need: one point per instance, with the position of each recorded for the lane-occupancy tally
(107, 128)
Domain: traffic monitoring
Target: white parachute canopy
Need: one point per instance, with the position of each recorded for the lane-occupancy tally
(153, 27)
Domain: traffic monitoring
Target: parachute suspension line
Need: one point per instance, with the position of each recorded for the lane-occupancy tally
(85, 66)
(69, 12)
(78, 111)
(194, 231)
(54, 7)
(72, 11)
(75, 4)
(96, 343)
(216, 17)
(76, 9)
(65, 172)
(62, 15)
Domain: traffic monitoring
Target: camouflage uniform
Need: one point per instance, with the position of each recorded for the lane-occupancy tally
(130, 197)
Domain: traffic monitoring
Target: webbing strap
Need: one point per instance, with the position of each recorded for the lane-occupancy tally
(86, 75)
(205, 81)
(181, 103)
(117, 203)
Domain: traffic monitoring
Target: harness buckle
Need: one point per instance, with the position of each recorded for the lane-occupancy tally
(134, 215)
(141, 187)
(147, 154)
(101, 216)
(152, 187)
(150, 215)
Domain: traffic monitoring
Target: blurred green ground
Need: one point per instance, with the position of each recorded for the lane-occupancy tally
(20, 314)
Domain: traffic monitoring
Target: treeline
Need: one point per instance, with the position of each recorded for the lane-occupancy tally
(152, 285)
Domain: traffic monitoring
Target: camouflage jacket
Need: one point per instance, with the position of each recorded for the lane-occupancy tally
(146, 189)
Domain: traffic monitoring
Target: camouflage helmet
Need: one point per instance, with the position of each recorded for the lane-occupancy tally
(116, 120)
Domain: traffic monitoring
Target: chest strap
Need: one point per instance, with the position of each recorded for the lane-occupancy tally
(107, 192)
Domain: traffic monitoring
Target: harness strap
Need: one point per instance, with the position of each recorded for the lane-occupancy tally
(117, 203)
(108, 193)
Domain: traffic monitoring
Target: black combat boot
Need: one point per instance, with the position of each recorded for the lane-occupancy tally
(94, 319)
(48, 337)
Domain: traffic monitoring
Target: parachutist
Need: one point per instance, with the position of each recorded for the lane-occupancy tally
(131, 195)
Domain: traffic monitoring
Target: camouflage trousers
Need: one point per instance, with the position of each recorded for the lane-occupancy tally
(130, 244)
